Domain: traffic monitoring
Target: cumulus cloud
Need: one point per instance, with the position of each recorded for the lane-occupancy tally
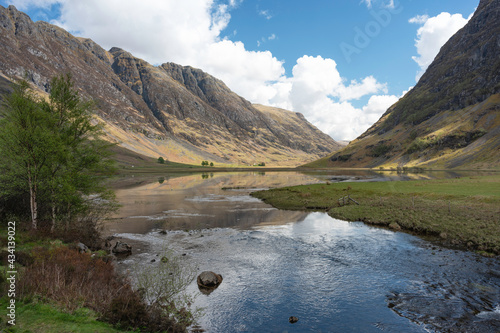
(319, 92)
(434, 33)
(163, 31)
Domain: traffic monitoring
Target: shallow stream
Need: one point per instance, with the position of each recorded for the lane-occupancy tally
(333, 275)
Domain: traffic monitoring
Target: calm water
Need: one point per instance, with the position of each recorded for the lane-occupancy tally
(333, 275)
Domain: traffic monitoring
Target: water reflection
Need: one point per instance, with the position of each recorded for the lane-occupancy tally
(335, 277)
(202, 201)
(211, 200)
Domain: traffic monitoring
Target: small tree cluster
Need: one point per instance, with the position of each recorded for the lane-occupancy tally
(161, 160)
(53, 158)
(206, 163)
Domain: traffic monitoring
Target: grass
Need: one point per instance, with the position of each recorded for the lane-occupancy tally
(463, 212)
(45, 317)
(129, 162)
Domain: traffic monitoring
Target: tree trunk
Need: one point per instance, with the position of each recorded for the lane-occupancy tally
(33, 203)
(53, 226)
(68, 218)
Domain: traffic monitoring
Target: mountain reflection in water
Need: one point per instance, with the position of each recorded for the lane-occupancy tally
(333, 275)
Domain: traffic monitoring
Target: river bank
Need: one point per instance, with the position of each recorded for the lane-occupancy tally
(462, 212)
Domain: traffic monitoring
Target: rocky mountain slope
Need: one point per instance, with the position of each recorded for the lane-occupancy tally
(180, 113)
(451, 117)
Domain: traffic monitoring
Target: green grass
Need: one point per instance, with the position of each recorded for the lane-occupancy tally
(463, 211)
(46, 318)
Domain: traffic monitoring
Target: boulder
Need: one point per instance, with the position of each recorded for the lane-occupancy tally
(293, 320)
(122, 248)
(208, 281)
(107, 243)
(82, 248)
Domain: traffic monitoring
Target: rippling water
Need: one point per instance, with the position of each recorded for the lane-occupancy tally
(333, 275)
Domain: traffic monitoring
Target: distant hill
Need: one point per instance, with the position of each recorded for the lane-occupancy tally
(451, 118)
(179, 113)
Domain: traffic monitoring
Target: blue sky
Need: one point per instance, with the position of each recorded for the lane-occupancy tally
(320, 27)
(340, 63)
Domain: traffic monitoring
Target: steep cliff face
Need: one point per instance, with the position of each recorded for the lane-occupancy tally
(177, 112)
(450, 118)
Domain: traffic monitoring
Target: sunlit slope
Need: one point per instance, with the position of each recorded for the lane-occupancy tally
(178, 112)
(450, 119)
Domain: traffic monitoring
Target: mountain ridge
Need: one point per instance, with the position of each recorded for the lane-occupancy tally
(450, 118)
(178, 112)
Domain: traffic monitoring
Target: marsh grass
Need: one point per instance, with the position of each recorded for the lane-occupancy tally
(464, 211)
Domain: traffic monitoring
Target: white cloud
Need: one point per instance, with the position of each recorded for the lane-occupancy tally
(390, 4)
(245, 72)
(266, 13)
(387, 4)
(434, 33)
(319, 92)
(368, 3)
(419, 19)
(163, 31)
(265, 39)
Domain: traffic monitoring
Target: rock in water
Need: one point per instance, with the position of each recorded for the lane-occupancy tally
(293, 320)
(122, 248)
(208, 281)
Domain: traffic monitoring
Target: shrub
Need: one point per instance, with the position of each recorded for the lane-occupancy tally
(164, 287)
(344, 158)
(417, 145)
(413, 134)
(75, 280)
(381, 150)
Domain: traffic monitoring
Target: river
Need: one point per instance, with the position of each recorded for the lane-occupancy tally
(333, 275)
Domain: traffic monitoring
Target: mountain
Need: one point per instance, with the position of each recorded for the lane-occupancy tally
(451, 118)
(180, 113)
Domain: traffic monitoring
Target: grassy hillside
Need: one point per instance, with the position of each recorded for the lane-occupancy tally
(451, 118)
(465, 138)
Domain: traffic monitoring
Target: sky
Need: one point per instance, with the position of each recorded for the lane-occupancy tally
(341, 63)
